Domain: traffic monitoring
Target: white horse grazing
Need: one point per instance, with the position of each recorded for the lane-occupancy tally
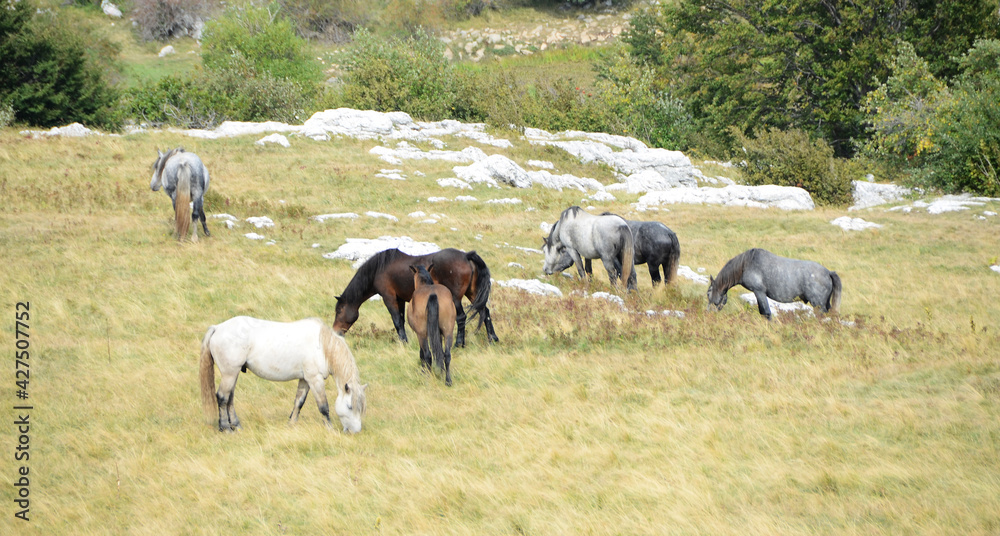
(306, 350)
(584, 236)
(185, 179)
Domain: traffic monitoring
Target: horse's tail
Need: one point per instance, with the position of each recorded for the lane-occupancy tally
(483, 285)
(628, 256)
(434, 331)
(182, 201)
(207, 373)
(833, 302)
(672, 260)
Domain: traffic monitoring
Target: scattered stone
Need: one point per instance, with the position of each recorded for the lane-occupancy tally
(532, 286)
(110, 9)
(260, 222)
(848, 223)
(343, 215)
(361, 249)
(869, 194)
(166, 51)
(274, 138)
(766, 196)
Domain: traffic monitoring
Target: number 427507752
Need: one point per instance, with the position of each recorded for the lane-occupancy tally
(23, 344)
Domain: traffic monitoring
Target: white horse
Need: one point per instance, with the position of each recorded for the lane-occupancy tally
(184, 178)
(306, 350)
(582, 235)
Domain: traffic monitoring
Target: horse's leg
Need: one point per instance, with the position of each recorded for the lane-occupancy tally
(425, 354)
(199, 210)
(614, 268)
(447, 360)
(224, 396)
(762, 306)
(491, 336)
(589, 268)
(397, 310)
(460, 317)
(319, 392)
(654, 272)
(300, 398)
(581, 267)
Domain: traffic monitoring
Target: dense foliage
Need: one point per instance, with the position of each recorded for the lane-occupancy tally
(256, 70)
(798, 64)
(792, 158)
(52, 72)
(389, 74)
(944, 136)
(258, 40)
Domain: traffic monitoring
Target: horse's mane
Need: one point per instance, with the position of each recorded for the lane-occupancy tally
(161, 162)
(574, 210)
(342, 365)
(731, 274)
(364, 278)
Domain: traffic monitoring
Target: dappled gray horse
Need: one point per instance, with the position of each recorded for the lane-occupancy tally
(581, 235)
(184, 178)
(783, 280)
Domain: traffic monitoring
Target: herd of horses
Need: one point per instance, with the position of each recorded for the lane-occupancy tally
(434, 285)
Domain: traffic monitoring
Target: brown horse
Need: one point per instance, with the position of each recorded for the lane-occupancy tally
(387, 274)
(432, 318)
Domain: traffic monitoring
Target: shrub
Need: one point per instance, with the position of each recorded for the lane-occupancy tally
(943, 137)
(159, 20)
(6, 114)
(205, 100)
(51, 73)
(637, 108)
(792, 158)
(257, 41)
(389, 74)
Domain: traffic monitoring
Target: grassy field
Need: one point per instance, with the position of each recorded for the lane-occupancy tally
(585, 419)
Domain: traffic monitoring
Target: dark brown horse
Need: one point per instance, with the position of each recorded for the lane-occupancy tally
(388, 274)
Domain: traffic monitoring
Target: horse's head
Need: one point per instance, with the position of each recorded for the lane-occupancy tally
(421, 275)
(154, 183)
(346, 316)
(716, 296)
(557, 258)
(350, 405)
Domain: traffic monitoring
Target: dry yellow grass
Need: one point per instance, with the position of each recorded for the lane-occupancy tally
(584, 419)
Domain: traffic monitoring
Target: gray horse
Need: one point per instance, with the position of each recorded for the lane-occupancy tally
(184, 178)
(656, 246)
(581, 235)
(771, 276)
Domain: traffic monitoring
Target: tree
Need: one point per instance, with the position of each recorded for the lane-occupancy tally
(802, 64)
(47, 73)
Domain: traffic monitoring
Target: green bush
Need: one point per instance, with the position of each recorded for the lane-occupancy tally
(792, 158)
(6, 114)
(258, 41)
(389, 74)
(53, 72)
(637, 108)
(205, 100)
(944, 137)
